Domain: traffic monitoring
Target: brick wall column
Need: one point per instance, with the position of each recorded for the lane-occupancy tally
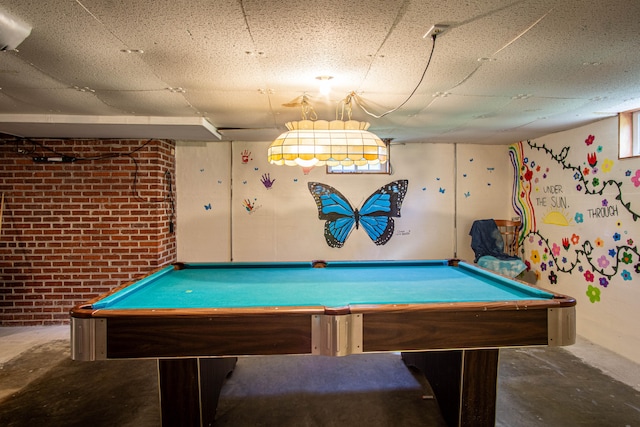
(72, 231)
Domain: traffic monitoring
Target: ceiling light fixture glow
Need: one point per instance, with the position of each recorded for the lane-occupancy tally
(310, 143)
(318, 143)
(325, 85)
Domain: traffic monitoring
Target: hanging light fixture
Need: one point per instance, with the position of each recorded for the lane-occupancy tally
(310, 143)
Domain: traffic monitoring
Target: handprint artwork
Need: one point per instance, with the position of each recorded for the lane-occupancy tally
(248, 205)
(245, 156)
(267, 181)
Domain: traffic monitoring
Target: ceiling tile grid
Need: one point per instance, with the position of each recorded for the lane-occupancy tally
(503, 71)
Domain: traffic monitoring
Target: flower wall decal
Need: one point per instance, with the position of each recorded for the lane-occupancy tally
(602, 260)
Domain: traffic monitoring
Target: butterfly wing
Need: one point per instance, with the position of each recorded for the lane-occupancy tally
(336, 210)
(336, 232)
(377, 212)
(378, 228)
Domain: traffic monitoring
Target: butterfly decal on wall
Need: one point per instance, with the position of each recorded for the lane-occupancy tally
(376, 214)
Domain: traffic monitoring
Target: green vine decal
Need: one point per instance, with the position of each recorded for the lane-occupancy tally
(592, 186)
(623, 255)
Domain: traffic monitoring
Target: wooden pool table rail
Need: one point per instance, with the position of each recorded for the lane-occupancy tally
(106, 334)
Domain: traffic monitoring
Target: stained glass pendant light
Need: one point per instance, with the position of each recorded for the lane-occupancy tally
(310, 143)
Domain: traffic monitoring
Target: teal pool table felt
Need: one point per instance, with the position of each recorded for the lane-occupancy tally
(340, 284)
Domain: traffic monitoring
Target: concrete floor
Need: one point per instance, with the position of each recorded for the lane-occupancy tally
(581, 385)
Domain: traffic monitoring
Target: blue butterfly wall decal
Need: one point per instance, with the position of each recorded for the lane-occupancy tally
(375, 215)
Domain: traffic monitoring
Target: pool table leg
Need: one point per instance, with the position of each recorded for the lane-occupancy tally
(464, 383)
(190, 388)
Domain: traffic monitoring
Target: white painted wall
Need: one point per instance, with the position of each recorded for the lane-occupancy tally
(284, 224)
(226, 212)
(203, 199)
(484, 187)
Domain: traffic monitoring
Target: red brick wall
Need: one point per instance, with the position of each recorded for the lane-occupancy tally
(71, 231)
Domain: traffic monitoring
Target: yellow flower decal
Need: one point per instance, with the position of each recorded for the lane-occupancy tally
(599, 242)
(607, 165)
(535, 256)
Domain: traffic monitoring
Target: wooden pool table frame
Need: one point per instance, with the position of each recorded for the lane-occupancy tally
(456, 345)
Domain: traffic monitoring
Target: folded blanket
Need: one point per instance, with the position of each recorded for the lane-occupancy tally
(487, 240)
(508, 268)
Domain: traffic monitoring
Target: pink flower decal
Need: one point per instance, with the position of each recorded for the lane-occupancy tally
(636, 178)
(603, 262)
(555, 250)
(588, 276)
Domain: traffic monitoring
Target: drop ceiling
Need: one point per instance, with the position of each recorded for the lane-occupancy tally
(502, 72)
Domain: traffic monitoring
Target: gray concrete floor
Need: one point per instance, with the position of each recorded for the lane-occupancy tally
(581, 385)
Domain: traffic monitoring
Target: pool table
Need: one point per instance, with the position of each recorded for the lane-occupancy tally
(448, 318)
